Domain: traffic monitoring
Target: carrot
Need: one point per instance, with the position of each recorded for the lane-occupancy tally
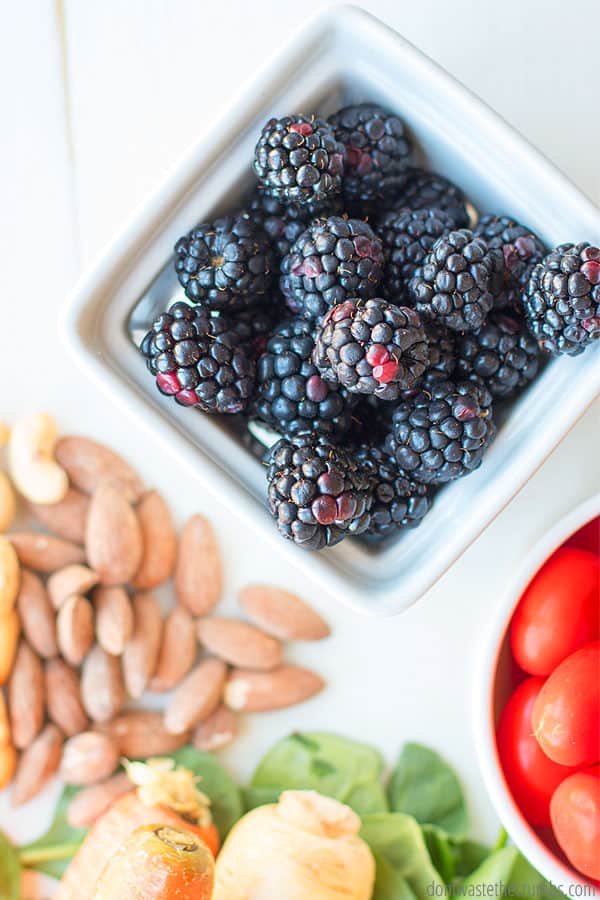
(110, 831)
(158, 862)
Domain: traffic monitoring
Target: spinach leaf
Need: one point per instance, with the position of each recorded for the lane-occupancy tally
(494, 869)
(399, 840)
(441, 850)
(468, 855)
(53, 852)
(335, 766)
(526, 882)
(10, 871)
(389, 884)
(424, 786)
(216, 783)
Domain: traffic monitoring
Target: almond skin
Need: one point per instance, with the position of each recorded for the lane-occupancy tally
(88, 464)
(240, 644)
(26, 696)
(44, 553)
(113, 537)
(10, 629)
(199, 569)
(142, 733)
(159, 540)
(114, 618)
(217, 731)
(177, 653)
(10, 575)
(67, 518)
(141, 652)
(74, 579)
(75, 629)
(90, 803)
(63, 698)
(89, 757)
(196, 697)
(37, 764)
(38, 618)
(281, 613)
(252, 691)
(102, 689)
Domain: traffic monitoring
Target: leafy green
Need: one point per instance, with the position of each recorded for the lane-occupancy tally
(398, 839)
(10, 871)
(494, 869)
(389, 884)
(52, 852)
(526, 882)
(225, 796)
(335, 766)
(424, 786)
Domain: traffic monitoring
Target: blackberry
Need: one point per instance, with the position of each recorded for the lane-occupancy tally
(442, 352)
(283, 223)
(199, 360)
(398, 501)
(333, 260)
(318, 492)
(225, 264)
(292, 397)
(407, 236)
(521, 249)
(562, 302)
(299, 160)
(442, 433)
(372, 347)
(428, 190)
(454, 285)
(378, 151)
(256, 324)
(502, 353)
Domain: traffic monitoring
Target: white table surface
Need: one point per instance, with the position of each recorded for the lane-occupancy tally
(97, 101)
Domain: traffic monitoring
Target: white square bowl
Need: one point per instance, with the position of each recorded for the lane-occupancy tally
(344, 55)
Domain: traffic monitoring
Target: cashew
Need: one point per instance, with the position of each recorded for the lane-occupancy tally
(34, 470)
(10, 576)
(8, 502)
(4, 434)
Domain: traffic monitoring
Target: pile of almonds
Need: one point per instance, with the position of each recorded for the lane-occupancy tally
(82, 634)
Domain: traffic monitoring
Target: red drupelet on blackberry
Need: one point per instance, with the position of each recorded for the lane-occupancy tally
(199, 360)
(521, 249)
(318, 492)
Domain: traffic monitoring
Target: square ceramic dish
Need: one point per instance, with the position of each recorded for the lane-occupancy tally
(342, 56)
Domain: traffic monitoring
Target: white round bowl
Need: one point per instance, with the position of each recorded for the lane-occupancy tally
(497, 676)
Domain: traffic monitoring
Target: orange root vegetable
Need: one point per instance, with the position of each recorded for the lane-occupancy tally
(158, 862)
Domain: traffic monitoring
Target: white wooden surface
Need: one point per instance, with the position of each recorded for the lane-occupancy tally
(97, 101)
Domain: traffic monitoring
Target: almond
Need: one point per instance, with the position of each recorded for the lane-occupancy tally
(44, 553)
(142, 733)
(217, 731)
(90, 803)
(159, 540)
(253, 691)
(37, 764)
(63, 698)
(10, 575)
(75, 629)
(177, 653)
(38, 618)
(10, 628)
(199, 569)
(113, 537)
(8, 502)
(196, 697)
(89, 463)
(281, 613)
(8, 752)
(102, 689)
(240, 644)
(74, 579)
(89, 757)
(26, 696)
(114, 618)
(65, 519)
(141, 651)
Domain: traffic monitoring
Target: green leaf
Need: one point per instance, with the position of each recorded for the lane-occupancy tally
(424, 786)
(494, 869)
(10, 871)
(225, 796)
(441, 850)
(526, 882)
(53, 852)
(468, 855)
(335, 766)
(389, 884)
(399, 840)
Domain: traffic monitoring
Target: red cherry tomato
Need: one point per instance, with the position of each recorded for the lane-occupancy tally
(575, 812)
(566, 714)
(588, 537)
(559, 612)
(531, 776)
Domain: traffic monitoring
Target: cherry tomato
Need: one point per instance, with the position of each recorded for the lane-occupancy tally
(566, 713)
(531, 776)
(588, 537)
(575, 812)
(559, 612)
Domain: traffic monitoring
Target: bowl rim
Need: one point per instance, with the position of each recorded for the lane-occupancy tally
(482, 719)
